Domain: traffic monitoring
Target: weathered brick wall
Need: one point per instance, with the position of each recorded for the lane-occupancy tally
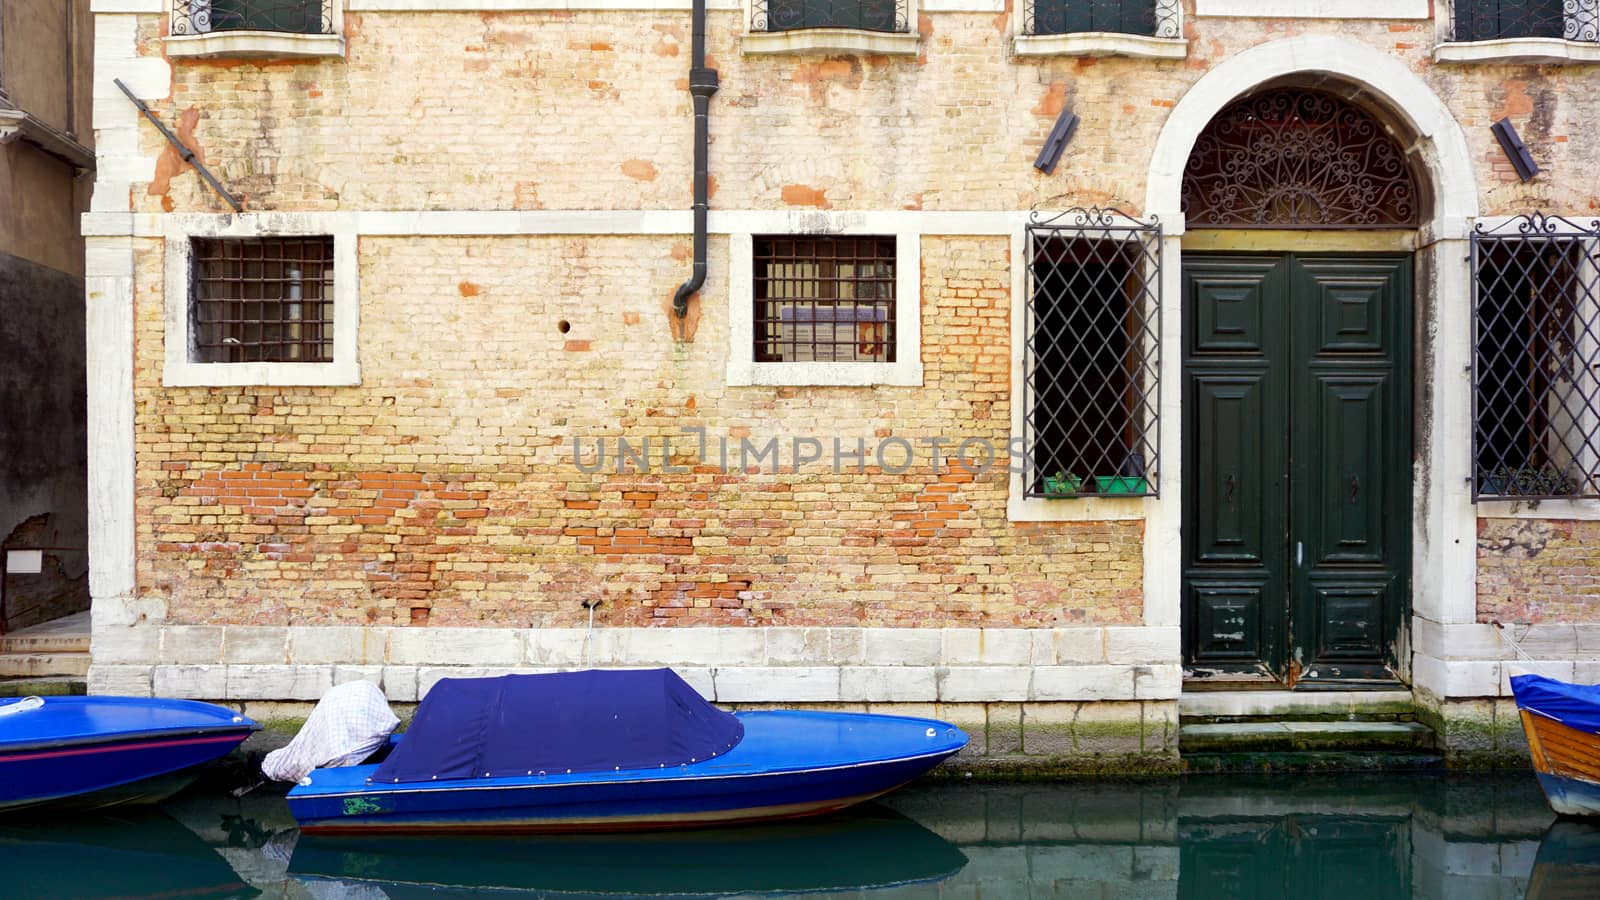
(1538, 570)
(443, 490)
(588, 110)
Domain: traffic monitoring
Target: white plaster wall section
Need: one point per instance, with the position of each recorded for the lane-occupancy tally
(1316, 9)
(462, 223)
(109, 293)
(1444, 524)
(180, 370)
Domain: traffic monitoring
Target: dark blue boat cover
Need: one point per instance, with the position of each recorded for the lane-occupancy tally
(517, 725)
(1576, 706)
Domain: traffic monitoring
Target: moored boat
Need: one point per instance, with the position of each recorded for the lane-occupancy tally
(92, 752)
(613, 751)
(1562, 723)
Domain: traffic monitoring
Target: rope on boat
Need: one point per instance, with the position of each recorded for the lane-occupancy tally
(1503, 629)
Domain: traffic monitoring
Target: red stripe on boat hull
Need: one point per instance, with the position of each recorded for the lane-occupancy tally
(121, 746)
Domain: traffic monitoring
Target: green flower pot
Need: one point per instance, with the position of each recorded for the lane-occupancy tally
(1119, 484)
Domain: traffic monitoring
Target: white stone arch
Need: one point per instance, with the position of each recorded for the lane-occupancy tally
(1443, 146)
(1443, 583)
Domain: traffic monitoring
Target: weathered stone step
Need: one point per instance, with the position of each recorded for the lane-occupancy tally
(1304, 736)
(55, 686)
(44, 643)
(1216, 706)
(37, 665)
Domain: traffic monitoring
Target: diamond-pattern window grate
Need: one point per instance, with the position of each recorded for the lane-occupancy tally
(1536, 359)
(1091, 385)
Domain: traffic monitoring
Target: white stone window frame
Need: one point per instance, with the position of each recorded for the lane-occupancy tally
(181, 370)
(905, 371)
(260, 44)
(831, 40)
(1542, 51)
(1097, 43)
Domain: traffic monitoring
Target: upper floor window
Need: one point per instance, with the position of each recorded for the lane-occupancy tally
(287, 16)
(1536, 359)
(1495, 20)
(1149, 18)
(866, 15)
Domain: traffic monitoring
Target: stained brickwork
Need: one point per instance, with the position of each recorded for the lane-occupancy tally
(491, 110)
(1538, 570)
(444, 490)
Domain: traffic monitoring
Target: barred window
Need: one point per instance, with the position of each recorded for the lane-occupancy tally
(266, 299)
(1090, 375)
(1491, 20)
(824, 299)
(867, 15)
(1536, 363)
(288, 16)
(1152, 18)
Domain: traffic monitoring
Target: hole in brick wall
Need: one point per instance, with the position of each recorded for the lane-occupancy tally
(563, 326)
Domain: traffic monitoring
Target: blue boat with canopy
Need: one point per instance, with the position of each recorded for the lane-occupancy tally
(1562, 724)
(612, 750)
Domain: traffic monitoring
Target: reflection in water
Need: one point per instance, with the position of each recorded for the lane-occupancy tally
(1366, 837)
(133, 855)
(867, 848)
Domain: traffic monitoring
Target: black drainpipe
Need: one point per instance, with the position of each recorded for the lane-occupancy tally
(702, 84)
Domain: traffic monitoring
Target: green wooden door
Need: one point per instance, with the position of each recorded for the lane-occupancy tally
(1296, 489)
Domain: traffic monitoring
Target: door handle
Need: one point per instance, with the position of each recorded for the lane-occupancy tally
(1229, 483)
(1355, 488)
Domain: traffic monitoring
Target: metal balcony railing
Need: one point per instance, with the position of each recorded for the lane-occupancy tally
(1150, 18)
(866, 15)
(286, 16)
(1493, 20)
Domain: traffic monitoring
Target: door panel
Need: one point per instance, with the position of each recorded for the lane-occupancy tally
(1350, 504)
(1231, 517)
(1234, 556)
(1296, 497)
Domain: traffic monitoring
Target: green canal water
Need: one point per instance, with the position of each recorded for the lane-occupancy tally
(1364, 836)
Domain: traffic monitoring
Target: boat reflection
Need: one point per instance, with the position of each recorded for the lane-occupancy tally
(863, 849)
(137, 855)
(1568, 864)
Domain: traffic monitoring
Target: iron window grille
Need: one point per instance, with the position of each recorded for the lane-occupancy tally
(286, 16)
(824, 299)
(1536, 359)
(866, 15)
(1298, 158)
(1493, 20)
(1091, 369)
(1152, 18)
(262, 299)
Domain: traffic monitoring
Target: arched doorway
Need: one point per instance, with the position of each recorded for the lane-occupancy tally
(1302, 206)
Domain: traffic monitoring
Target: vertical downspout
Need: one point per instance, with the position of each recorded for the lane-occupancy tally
(702, 84)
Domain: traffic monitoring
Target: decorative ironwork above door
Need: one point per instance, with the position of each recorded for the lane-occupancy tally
(1297, 158)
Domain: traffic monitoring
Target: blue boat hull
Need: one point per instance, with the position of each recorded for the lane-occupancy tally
(1571, 796)
(766, 777)
(95, 752)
